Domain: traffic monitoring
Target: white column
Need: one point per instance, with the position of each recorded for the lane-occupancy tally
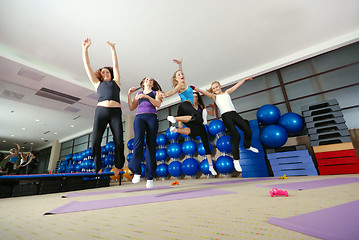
(54, 156)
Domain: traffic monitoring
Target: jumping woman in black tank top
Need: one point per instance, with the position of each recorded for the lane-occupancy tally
(106, 81)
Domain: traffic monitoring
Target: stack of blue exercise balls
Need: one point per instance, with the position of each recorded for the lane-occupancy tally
(224, 163)
(174, 151)
(275, 133)
(161, 156)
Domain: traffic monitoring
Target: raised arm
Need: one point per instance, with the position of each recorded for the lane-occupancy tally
(174, 91)
(211, 112)
(206, 93)
(237, 85)
(85, 57)
(116, 70)
(132, 104)
(18, 148)
(179, 62)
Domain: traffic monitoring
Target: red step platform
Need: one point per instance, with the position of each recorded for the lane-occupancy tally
(343, 160)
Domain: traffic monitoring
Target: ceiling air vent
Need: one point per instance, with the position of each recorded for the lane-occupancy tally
(58, 96)
(30, 74)
(72, 109)
(10, 94)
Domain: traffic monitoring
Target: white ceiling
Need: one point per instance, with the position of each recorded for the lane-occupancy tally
(219, 40)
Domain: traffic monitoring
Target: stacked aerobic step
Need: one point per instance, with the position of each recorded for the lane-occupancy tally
(253, 164)
(291, 161)
(339, 158)
(330, 138)
(325, 123)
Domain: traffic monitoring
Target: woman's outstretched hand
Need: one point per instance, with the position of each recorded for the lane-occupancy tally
(178, 61)
(112, 45)
(86, 43)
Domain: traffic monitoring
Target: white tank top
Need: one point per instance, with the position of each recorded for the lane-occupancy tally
(224, 103)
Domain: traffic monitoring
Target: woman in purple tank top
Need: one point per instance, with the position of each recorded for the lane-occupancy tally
(146, 122)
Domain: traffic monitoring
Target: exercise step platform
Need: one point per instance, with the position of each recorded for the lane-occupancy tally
(286, 149)
(320, 111)
(337, 162)
(326, 129)
(325, 122)
(319, 105)
(292, 163)
(333, 147)
(326, 135)
(330, 141)
(324, 116)
(352, 168)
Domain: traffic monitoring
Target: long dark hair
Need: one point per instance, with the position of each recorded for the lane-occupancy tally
(156, 85)
(200, 100)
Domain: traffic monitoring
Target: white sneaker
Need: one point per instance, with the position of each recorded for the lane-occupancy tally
(173, 129)
(237, 165)
(136, 178)
(255, 150)
(149, 184)
(171, 119)
(211, 169)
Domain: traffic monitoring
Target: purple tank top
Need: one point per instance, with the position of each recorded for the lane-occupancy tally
(145, 106)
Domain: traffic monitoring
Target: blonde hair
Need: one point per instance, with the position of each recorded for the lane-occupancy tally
(210, 89)
(174, 81)
(12, 150)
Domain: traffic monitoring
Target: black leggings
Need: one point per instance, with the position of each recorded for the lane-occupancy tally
(113, 117)
(231, 120)
(195, 124)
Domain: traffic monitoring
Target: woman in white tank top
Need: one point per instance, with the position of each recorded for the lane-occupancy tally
(231, 118)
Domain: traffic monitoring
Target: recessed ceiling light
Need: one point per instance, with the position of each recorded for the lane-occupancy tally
(4, 141)
(12, 135)
(23, 129)
(31, 143)
(56, 133)
(72, 126)
(37, 120)
(42, 138)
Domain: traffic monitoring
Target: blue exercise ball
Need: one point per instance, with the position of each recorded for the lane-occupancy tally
(130, 144)
(224, 144)
(201, 151)
(224, 164)
(274, 136)
(110, 147)
(103, 150)
(143, 170)
(161, 140)
(61, 169)
(74, 158)
(68, 156)
(204, 167)
(129, 157)
(109, 160)
(216, 127)
(161, 154)
(291, 122)
(175, 169)
(189, 147)
(174, 150)
(268, 114)
(79, 157)
(171, 135)
(162, 170)
(78, 168)
(190, 166)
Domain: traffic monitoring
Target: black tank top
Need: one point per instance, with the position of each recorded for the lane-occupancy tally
(108, 90)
